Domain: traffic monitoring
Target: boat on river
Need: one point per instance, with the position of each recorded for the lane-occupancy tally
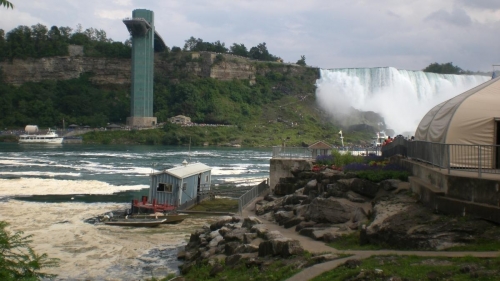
(136, 222)
(171, 218)
(50, 137)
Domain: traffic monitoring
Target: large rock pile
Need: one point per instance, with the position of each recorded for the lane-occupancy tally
(237, 241)
(329, 204)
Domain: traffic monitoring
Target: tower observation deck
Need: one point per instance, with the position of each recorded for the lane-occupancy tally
(145, 41)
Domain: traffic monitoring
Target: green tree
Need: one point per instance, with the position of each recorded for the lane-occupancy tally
(302, 60)
(6, 3)
(260, 52)
(239, 50)
(18, 261)
(445, 68)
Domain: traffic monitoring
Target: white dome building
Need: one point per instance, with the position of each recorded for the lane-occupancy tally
(465, 129)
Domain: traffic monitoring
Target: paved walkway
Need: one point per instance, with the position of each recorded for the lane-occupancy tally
(314, 246)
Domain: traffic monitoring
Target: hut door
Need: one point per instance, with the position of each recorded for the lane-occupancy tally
(497, 142)
(198, 186)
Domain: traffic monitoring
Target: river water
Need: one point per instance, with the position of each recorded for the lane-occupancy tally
(73, 169)
(48, 191)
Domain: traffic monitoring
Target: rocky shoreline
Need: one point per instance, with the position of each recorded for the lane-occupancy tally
(326, 206)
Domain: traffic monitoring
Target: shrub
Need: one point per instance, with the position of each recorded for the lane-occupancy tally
(18, 261)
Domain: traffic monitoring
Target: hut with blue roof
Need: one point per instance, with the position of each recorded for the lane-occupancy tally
(179, 185)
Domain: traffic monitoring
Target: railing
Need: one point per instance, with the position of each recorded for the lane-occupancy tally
(460, 157)
(253, 193)
(291, 152)
(190, 203)
(307, 153)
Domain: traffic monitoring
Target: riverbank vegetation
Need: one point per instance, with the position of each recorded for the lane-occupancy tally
(18, 261)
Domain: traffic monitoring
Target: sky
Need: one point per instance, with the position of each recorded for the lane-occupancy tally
(405, 34)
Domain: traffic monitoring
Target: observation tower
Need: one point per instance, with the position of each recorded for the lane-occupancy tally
(145, 41)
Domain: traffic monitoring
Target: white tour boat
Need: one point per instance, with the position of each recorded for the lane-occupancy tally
(51, 137)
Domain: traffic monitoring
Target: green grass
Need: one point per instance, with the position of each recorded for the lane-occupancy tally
(351, 242)
(217, 205)
(262, 130)
(278, 270)
(482, 245)
(416, 268)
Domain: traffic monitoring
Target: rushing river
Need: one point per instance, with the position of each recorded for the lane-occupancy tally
(48, 191)
(117, 171)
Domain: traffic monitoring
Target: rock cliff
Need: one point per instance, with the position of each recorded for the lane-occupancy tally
(117, 71)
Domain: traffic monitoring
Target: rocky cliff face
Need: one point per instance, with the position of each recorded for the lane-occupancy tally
(117, 71)
(106, 70)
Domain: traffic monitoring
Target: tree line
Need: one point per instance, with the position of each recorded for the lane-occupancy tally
(259, 52)
(39, 41)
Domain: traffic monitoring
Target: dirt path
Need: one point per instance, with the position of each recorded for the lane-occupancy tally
(314, 246)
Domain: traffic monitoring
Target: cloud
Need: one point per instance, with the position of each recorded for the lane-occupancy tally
(482, 4)
(331, 34)
(458, 17)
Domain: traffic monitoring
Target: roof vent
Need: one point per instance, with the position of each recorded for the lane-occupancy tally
(184, 163)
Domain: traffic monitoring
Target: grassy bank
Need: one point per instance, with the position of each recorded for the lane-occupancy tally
(416, 268)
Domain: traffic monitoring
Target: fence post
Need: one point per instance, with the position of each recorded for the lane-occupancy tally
(479, 160)
(449, 157)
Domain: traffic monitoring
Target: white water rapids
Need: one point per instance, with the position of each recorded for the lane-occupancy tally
(401, 97)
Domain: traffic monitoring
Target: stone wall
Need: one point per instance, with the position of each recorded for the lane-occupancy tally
(106, 70)
(283, 168)
(118, 71)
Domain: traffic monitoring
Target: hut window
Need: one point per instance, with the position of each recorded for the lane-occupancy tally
(206, 178)
(184, 186)
(164, 187)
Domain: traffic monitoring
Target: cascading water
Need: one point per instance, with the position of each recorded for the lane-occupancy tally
(401, 97)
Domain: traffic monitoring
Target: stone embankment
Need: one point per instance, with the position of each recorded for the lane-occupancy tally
(236, 240)
(330, 204)
(325, 206)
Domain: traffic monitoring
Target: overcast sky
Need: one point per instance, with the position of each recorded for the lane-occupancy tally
(406, 34)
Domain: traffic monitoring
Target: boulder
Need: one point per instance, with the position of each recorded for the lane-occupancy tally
(292, 222)
(230, 248)
(215, 241)
(220, 223)
(331, 210)
(273, 235)
(235, 234)
(232, 260)
(361, 186)
(282, 216)
(248, 237)
(260, 229)
(304, 224)
(300, 210)
(251, 221)
(389, 184)
(294, 199)
(270, 206)
(283, 247)
(354, 197)
(337, 189)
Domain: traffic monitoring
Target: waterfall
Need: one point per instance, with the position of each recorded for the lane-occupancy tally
(401, 97)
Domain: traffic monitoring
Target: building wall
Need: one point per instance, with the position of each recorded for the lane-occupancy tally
(164, 197)
(185, 195)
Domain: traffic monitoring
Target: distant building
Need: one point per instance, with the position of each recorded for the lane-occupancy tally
(320, 148)
(181, 184)
(180, 119)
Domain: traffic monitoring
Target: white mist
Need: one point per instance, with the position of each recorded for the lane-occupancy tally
(401, 97)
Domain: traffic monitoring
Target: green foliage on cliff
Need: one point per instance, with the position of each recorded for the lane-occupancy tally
(49, 102)
(444, 68)
(38, 41)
